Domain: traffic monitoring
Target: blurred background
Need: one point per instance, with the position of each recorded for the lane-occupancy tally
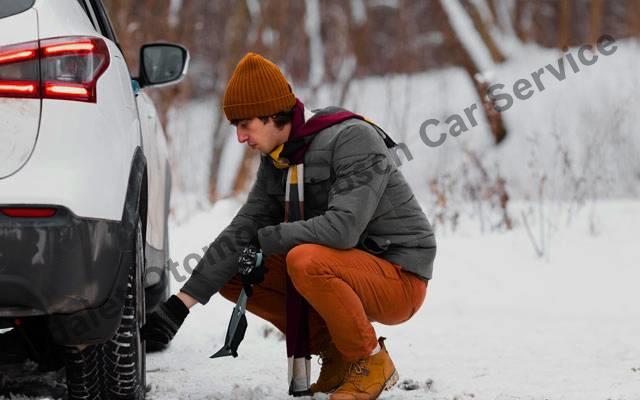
(400, 62)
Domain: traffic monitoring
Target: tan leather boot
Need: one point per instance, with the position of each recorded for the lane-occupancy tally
(333, 371)
(368, 377)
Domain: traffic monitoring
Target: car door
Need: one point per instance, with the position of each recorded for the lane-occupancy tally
(155, 150)
(154, 146)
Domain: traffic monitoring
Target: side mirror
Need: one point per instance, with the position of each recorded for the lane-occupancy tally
(162, 64)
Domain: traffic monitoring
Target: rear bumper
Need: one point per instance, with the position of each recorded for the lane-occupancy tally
(71, 269)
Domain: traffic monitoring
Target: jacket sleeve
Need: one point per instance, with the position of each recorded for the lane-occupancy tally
(362, 166)
(220, 262)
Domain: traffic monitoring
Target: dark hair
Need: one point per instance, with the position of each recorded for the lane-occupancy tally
(280, 119)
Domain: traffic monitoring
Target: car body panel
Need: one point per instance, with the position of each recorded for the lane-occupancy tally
(82, 148)
(156, 154)
(18, 134)
(62, 18)
(82, 158)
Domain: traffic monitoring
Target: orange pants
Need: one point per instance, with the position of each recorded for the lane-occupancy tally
(346, 289)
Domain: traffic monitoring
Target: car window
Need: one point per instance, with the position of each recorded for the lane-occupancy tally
(13, 7)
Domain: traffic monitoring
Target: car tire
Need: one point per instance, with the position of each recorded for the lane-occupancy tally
(124, 354)
(152, 346)
(83, 372)
(115, 369)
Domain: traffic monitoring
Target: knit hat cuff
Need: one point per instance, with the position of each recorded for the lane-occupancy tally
(260, 109)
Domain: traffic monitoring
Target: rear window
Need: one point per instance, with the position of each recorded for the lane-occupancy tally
(13, 7)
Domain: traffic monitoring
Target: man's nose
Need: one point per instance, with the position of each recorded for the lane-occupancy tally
(242, 137)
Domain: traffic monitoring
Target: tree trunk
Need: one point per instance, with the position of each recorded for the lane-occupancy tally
(518, 20)
(634, 18)
(498, 129)
(492, 7)
(595, 27)
(564, 24)
(481, 27)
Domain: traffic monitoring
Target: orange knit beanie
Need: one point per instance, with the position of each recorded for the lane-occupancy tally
(257, 88)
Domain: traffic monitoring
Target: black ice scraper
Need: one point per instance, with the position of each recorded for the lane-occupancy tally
(249, 263)
(235, 331)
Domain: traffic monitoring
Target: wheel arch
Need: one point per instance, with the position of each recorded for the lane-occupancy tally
(136, 200)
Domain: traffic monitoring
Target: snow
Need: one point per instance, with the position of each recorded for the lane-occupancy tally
(254, 8)
(503, 10)
(316, 48)
(358, 12)
(270, 36)
(230, 160)
(174, 10)
(190, 128)
(383, 3)
(498, 323)
(467, 34)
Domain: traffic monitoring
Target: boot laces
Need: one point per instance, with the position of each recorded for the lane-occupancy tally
(357, 370)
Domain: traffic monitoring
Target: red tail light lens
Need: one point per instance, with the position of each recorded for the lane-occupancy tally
(65, 68)
(28, 212)
(19, 71)
(19, 89)
(71, 67)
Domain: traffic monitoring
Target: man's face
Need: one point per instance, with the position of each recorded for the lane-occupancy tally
(261, 136)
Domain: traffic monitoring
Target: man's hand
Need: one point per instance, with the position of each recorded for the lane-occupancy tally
(250, 266)
(163, 324)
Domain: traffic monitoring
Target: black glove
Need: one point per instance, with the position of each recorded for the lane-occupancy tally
(251, 268)
(164, 322)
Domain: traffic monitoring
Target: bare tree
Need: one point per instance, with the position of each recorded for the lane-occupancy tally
(521, 18)
(465, 59)
(482, 26)
(564, 24)
(634, 18)
(595, 28)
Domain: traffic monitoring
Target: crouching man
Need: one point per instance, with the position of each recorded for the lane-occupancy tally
(360, 250)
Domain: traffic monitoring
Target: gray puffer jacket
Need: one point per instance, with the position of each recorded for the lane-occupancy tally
(354, 197)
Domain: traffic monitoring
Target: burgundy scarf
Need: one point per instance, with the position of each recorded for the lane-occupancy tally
(302, 131)
(291, 156)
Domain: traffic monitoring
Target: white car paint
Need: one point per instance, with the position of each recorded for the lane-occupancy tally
(157, 155)
(82, 154)
(19, 117)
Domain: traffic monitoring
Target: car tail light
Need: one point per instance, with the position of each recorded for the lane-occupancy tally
(19, 71)
(28, 212)
(64, 68)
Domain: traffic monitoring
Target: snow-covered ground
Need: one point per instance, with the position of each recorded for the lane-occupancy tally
(498, 323)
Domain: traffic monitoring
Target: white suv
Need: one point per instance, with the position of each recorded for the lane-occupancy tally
(84, 193)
